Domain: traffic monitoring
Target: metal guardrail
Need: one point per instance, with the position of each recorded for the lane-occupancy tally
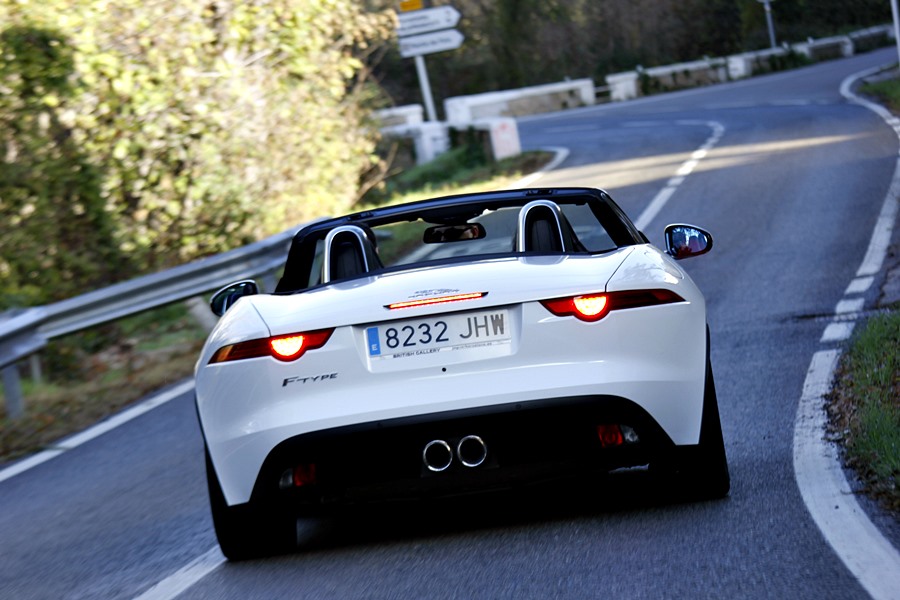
(26, 331)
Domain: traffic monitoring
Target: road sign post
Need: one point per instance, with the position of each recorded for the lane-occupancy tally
(424, 32)
(422, 72)
(768, 8)
(896, 16)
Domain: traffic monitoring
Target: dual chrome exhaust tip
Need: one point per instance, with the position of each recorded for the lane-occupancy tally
(438, 455)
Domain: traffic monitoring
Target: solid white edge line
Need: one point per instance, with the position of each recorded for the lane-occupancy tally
(28, 463)
(97, 430)
(884, 228)
(827, 495)
(866, 553)
(179, 581)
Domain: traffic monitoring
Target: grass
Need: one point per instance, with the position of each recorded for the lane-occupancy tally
(93, 374)
(865, 407)
(886, 91)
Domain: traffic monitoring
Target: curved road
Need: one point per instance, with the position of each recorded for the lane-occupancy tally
(790, 178)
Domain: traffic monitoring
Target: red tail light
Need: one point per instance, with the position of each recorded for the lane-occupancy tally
(586, 308)
(304, 475)
(283, 347)
(593, 307)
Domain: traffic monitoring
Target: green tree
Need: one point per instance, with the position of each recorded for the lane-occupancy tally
(201, 124)
(58, 237)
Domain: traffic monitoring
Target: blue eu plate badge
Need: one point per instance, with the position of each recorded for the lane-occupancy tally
(373, 341)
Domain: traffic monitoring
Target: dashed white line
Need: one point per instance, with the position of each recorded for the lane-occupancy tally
(849, 306)
(837, 332)
(656, 205)
(663, 196)
(860, 285)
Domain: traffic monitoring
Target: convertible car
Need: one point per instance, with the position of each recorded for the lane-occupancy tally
(451, 346)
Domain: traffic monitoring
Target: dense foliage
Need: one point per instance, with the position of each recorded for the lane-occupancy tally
(136, 134)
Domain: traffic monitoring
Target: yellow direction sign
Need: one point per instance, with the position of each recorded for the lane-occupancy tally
(406, 5)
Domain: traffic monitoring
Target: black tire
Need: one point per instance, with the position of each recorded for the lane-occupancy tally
(700, 472)
(709, 475)
(243, 532)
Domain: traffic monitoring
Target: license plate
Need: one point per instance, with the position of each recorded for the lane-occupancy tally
(420, 337)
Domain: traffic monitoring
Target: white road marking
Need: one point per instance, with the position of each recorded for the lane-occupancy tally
(827, 495)
(860, 285)
(28, 463)
(179, 581)
(663, 196)
(884, 227)
(97, 430)
(656, 205)
(857, 542)
(837, 332)
(849, 306)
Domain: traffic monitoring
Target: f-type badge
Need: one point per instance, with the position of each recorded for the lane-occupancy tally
(313, 379)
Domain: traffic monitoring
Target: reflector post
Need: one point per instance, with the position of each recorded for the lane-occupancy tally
(304, 475)
(610, 435)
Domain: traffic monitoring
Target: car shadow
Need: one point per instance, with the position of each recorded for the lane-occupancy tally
(392, 522)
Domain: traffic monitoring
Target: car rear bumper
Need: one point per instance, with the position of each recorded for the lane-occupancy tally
(526, 442)
(654, 357)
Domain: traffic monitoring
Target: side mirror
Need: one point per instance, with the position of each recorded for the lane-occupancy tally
(228, 295)
(684, 241)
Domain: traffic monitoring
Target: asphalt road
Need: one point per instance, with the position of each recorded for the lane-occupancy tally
(790, 185)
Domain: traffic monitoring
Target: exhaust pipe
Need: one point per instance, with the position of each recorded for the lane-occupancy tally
(471, 450)
(437, 455)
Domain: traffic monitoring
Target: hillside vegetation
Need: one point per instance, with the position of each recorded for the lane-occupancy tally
(139, 134)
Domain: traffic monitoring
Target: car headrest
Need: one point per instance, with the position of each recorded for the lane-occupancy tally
(348, 253)
(540, 228)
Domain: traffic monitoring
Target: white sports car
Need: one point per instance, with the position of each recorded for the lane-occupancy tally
(456, 345)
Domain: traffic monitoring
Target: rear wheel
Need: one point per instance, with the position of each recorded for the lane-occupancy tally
(701, 471)
(709, 475)
(243, 531)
